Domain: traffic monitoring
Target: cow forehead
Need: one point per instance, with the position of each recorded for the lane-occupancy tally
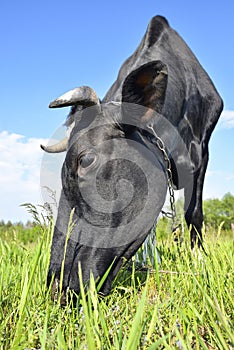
(94, 135)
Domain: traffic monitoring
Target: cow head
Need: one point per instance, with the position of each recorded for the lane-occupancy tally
(113, 179)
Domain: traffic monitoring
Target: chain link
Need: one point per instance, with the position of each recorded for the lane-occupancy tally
(160, 144)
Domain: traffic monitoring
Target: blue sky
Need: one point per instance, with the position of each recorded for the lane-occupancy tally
(49, 47)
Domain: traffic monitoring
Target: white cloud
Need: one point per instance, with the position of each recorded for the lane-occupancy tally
(227, 119)
(20, 164)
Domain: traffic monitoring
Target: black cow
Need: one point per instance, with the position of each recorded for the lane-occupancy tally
(114, 177)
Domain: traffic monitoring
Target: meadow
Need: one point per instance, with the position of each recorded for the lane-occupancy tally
(185, 302)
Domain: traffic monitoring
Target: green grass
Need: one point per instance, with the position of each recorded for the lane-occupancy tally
(185, 303)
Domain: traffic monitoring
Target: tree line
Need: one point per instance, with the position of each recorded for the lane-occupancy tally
(218, 211)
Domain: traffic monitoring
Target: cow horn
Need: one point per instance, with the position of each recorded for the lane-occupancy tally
(61, 146)
(83, 95)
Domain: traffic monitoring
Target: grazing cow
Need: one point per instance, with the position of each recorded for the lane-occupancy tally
(115, 176)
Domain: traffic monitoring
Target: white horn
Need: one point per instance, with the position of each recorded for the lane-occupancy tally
(83, 95)
(61, 146)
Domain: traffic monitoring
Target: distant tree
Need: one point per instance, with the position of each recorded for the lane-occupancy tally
(9, 224)
(217, 211)
(19, 224)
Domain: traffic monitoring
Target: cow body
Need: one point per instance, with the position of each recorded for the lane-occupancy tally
(190, 103)
(112, 157)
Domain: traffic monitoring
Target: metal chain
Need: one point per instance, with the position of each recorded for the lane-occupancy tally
(160, 144)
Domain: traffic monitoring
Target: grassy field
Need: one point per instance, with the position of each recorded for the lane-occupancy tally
(186, 302)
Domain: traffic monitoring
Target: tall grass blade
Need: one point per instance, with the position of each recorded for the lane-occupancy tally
(137, 324)
(89, 332)
(26, 287)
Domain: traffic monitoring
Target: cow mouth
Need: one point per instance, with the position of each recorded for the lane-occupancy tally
(63, 292)
(64, 295)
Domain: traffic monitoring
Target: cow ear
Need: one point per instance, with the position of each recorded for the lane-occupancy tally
(146, 86)
(157, 26)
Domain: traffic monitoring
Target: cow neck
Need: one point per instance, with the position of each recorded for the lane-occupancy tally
(161, 146)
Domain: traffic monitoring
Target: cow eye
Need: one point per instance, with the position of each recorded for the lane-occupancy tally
(86, 160)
